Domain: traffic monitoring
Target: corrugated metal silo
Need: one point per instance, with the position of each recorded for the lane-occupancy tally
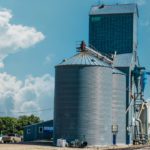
(83, 100)
(119, 105)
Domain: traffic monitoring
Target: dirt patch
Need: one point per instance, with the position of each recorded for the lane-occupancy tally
(46, 147)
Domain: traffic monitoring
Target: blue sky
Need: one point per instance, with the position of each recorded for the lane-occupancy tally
(59, 24)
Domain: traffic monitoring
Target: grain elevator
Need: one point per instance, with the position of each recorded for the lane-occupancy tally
(98, 92)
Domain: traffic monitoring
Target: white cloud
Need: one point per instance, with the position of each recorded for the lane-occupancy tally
(14, 38)
(34, 94)
(48, 59)
(5, 16)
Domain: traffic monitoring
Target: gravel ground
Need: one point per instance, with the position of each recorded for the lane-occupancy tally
(37, 147)
(24, 147)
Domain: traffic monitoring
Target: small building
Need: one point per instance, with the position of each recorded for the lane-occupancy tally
(39, 131)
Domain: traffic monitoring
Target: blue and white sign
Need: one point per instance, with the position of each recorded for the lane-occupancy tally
(48, 129)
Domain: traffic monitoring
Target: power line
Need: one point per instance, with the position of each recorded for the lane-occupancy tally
(40, 110)
(25, 112)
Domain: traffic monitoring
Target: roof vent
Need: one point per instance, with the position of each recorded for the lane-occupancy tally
(64, 60)
(92, 60)
(101, 6)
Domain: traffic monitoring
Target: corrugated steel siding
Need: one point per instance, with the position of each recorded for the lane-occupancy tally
(129, 114)
(119, 105)
(35, 135)
(83, 101)
(123, 60)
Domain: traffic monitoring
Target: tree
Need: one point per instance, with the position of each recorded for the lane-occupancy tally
(27, 120)
(8, 125)
(16, 125)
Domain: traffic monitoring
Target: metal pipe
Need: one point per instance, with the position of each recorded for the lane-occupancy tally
(83, 48)
(99, 55)
(140, 125)
(141, 110)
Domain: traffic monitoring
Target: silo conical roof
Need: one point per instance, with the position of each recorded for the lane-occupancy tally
(84, 58)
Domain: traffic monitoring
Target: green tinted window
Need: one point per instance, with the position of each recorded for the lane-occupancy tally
(95, 18)
(111, 32)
